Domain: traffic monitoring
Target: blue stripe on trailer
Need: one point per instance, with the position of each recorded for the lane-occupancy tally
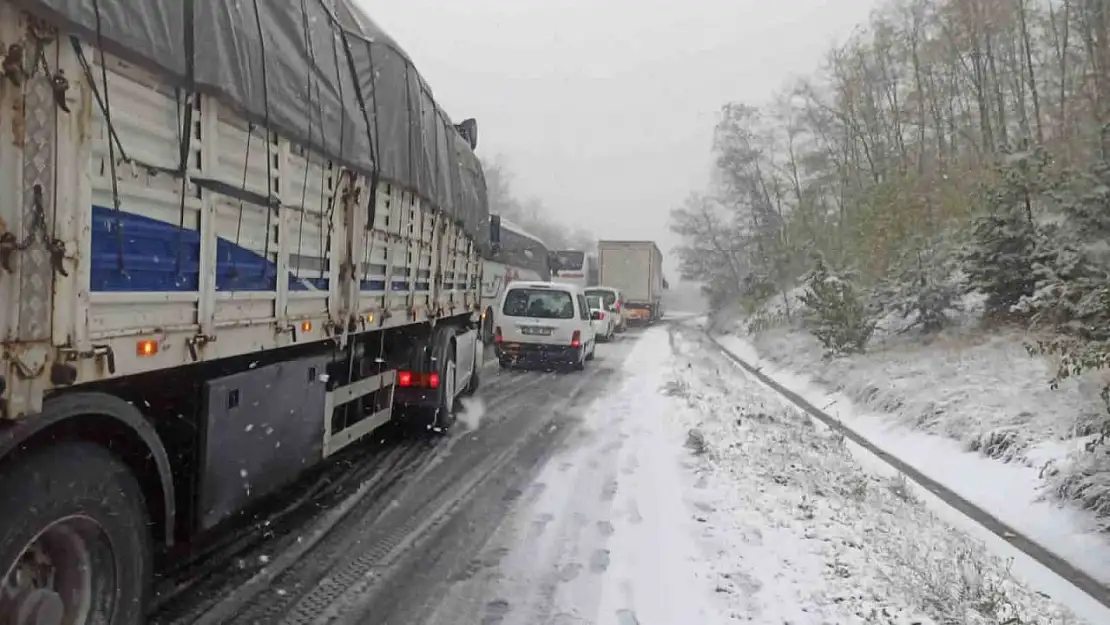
(161, 257)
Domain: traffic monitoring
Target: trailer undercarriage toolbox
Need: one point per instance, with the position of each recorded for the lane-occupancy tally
(262, 428)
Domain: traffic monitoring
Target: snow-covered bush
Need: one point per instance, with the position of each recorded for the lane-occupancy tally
(834, 311)
(1071, 292)
(921, 288)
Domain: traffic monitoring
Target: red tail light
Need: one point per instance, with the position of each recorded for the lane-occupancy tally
(576, 339)
(409, 379)
(618, 306)
(497, 338)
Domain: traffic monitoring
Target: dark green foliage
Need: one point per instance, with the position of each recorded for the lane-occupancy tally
(999, 260)
(921, 286)
(834, 311)
(1000, 257)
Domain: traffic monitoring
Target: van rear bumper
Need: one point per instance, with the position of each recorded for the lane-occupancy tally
(538, 353)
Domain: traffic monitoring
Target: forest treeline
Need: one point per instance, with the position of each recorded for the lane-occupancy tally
(950, 147)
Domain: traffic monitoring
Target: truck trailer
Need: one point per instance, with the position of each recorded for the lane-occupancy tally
(636, 269)
(234, 239)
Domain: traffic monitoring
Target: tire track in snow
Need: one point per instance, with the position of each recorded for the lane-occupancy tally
(1081, 580)
(443, 576)
(542, 562)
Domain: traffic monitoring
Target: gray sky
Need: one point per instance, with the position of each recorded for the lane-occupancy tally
(604, 109)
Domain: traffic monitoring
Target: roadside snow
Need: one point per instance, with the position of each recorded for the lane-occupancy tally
(1014, 492)
(805, 535)
(980, 389)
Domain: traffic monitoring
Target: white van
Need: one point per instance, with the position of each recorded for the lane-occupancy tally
(543, 323)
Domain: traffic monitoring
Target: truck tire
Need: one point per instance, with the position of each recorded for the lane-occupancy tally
(487, 327)
(476, 377)
(445, 412)
(74, 543)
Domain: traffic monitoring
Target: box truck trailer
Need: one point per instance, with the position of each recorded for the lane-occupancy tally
(636, 269)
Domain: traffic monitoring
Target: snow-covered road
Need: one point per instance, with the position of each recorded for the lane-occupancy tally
(661, 486)
(690, 494)
(609, 533)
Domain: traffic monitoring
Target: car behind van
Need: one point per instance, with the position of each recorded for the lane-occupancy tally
(614, 303)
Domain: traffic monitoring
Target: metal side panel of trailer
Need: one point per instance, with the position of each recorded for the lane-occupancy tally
(158, 270)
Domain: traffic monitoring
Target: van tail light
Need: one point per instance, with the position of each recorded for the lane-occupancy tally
(576, 339)
(618, 306)
(497, 336)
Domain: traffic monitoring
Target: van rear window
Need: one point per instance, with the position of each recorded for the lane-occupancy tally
(539, 303)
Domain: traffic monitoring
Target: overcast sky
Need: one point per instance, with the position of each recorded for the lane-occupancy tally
(604, 109)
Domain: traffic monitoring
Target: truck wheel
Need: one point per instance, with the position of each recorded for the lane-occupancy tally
(487, 327)
(445, 412)
(74, 545)
(475, 380)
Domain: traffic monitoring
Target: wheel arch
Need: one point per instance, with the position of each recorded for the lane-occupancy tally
(117, 426)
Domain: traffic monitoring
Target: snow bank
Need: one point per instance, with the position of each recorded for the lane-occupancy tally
(980, 389)
(802, 534)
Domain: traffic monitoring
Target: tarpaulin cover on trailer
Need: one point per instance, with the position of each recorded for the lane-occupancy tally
(318, 72)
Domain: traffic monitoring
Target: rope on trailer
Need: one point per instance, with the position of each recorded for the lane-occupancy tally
(239, 222)
(113, 138)
(327, 230)
(185, 135)
(269, 157)
(372, 131)
(312, 80)
(372, 206)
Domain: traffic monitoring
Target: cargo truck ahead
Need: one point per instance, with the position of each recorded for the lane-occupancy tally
(221, 261)
(636, 269)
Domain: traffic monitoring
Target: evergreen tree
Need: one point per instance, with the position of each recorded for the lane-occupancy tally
(834, 312)
(999, 260)
(921, 285)
(1000, 257)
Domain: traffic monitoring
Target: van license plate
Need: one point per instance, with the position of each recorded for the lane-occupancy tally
(536, 331)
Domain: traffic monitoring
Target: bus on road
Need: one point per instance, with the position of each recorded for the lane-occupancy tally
(521, 256)
(570, 267)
